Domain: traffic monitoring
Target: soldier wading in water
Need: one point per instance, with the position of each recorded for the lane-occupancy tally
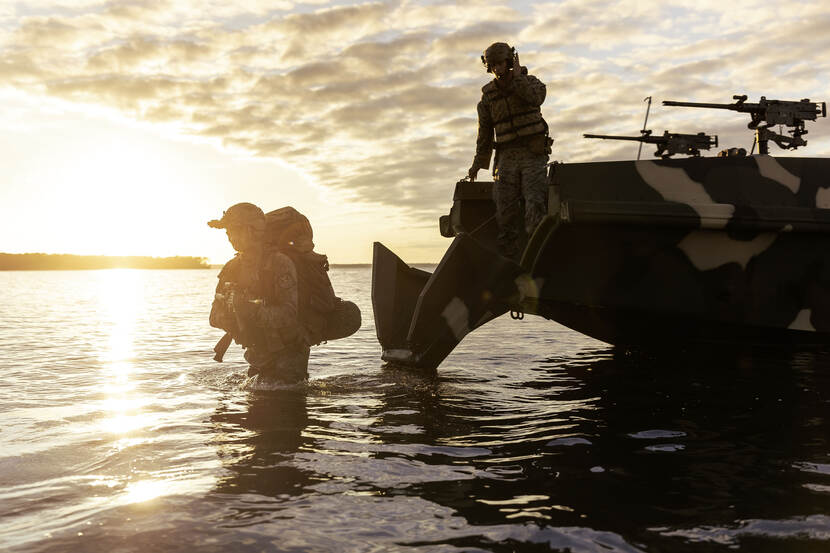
(510, 109)
(274, 298)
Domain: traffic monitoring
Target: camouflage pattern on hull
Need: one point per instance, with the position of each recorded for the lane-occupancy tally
(726, 250)
(421, 317)
(729, 250)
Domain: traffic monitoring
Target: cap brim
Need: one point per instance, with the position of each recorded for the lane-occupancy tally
(216, 223)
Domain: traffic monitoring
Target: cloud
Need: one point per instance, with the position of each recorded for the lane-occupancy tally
(148, 54)
(378, 99)
(50, 32)
(333, 21)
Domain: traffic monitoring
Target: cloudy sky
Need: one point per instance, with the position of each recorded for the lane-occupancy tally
(126, 125)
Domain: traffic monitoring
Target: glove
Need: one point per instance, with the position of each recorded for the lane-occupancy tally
(247, 320)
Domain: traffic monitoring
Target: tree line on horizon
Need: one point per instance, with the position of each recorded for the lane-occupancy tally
(43, 261)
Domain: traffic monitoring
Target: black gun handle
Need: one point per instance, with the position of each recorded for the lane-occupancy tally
(221, 347)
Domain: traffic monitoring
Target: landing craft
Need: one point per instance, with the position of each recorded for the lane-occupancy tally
(730, 250)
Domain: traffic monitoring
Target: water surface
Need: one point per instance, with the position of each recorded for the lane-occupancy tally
(120, 433)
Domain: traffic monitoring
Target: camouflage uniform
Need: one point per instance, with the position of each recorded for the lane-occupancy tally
(275, 344)
(519, 175)
(510, 121)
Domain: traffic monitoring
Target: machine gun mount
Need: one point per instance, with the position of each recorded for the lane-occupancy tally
(767, 113)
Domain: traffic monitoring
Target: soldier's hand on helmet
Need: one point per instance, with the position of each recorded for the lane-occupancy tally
(472, 173)
(517, 67)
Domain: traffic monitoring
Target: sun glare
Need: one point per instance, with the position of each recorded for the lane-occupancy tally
(145, 490)
(117, 192)
(120, 296)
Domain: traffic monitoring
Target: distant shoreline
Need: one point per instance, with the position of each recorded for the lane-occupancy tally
(63, 262)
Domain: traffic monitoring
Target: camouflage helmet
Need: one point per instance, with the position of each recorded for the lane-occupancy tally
(241, 214)
(496, 52)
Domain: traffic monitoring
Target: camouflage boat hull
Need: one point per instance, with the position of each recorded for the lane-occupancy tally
(666, 253)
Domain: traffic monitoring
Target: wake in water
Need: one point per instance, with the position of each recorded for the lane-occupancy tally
(389, 379)
(228, 377)
(259, 383)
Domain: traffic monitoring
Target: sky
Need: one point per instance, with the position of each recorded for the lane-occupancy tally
(126, 125)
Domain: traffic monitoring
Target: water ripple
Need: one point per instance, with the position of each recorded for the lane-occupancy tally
(120, 433)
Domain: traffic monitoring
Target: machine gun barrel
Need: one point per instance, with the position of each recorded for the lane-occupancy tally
(701, 105)
(644, 138)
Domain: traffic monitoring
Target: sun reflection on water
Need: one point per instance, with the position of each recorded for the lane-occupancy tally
(144, 490)
(122, 301)
(121, 296)
(128, 414)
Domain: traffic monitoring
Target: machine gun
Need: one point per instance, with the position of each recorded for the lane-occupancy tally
(669, 143)
(767, 113)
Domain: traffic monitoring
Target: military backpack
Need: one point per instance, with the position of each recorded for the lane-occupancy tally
(320, 311)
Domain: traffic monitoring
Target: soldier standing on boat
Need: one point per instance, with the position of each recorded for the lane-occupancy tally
(510, 109)
(257, 300)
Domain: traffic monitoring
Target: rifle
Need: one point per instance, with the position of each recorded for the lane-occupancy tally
(767, 113)
(244, 335)
(668, 143)
(222, 346)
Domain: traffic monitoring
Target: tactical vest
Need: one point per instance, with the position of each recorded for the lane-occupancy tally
(512, 116)
(251, 282)
(316, 299)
